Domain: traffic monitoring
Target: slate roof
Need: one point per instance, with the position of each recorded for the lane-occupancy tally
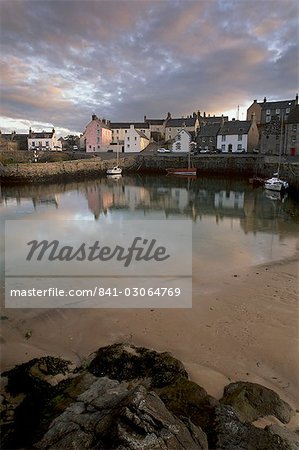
(155, 121)
(189, 122)
(213, 119)
(235, 127)
(141, 134)
(209, 130)
(282, 104)
(126, 125)
(294, 115)
(41, 135)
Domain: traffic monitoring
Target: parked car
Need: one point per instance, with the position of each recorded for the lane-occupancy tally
(163, 150)
(204, 151)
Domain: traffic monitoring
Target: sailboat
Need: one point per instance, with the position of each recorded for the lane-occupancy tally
(275, 183)
(116, 170)
(188, 171)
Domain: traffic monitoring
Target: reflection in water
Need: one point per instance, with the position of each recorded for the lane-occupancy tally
(231, 220)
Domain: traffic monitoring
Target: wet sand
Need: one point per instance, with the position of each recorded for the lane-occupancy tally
(244, 326)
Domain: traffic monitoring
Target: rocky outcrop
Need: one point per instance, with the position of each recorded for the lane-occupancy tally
(110, 416)
(126, 397)
(127, 362)
(253, 401)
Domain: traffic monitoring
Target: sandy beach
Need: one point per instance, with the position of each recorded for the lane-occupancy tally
(242, 327)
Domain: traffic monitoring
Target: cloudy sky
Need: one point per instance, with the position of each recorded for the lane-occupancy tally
(62, 60)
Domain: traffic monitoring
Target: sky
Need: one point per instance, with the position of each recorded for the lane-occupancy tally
(64, 60)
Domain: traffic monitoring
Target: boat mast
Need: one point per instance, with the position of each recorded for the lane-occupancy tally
(280, 146)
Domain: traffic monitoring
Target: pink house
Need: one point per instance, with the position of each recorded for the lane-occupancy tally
(97, 135)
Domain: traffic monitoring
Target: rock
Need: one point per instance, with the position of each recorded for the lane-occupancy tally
(229, 433)
(35, 374)
(111, 415)
(252, 401)
(290, 437)
(186, 398)
(127, 362)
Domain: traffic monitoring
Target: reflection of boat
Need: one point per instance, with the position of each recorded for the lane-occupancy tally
(116, 170)
(276, 184)
(115, 176)
(275, 195)
(183, 171)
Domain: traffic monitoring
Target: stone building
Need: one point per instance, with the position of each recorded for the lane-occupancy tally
(291, 142)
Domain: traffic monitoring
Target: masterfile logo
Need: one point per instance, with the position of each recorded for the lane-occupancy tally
(80, 259)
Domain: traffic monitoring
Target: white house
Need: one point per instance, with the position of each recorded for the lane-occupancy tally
(182, 141)
(173, 126)
(44, 140)
(238, 136)
(135, 140)
(120, 130)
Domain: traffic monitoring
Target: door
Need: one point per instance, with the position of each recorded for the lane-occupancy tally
(230, 147)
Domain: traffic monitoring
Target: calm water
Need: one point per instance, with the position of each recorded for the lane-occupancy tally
(234, 225)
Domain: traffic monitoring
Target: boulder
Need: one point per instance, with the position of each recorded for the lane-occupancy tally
(127, 362)
(110, 415)
(252, 401)
(186, 398)
(291, 438)
(229, 433)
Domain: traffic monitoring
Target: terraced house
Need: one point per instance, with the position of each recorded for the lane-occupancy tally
(44, 140)
(237, 136)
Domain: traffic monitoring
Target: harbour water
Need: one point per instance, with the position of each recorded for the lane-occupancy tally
(233, 224)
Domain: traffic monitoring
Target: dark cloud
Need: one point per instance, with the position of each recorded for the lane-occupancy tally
(64, 60)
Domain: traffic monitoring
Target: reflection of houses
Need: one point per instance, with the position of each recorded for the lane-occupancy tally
(229, 199)
(97, 135)
(182, 141)
(44, 140)
(237, 136)
(135, 140)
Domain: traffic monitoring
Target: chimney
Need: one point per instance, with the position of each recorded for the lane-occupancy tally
(255, 101)
(233, 119)
(265, 99)
(168, 115)
(204, 114)
(296, 99)
(104, 121)
(144, 119)
(93, 117)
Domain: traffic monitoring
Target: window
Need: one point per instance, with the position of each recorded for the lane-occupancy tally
(223, 147)
(204, 139)
(223, 138)
(293, 139)
(287, 110)
(211, 139)
(128, 138)
(178, 146)
(268, 119)
(128, 145)
(126, 131)
(277, 111)
(294, 127)
(33, 144)
(178, 137)
(268, 112)
(90, 146)
(239, 137)
(135, 138)
(239, 147)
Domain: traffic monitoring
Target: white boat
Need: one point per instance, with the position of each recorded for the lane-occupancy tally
(116, 170)
(276, 184)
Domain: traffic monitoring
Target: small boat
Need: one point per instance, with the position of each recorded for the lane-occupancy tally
(276, 184)
(116, 170)
(190, 171)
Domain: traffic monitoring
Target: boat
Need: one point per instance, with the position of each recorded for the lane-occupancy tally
(116, 170)
(183, 171)
(275, 183)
